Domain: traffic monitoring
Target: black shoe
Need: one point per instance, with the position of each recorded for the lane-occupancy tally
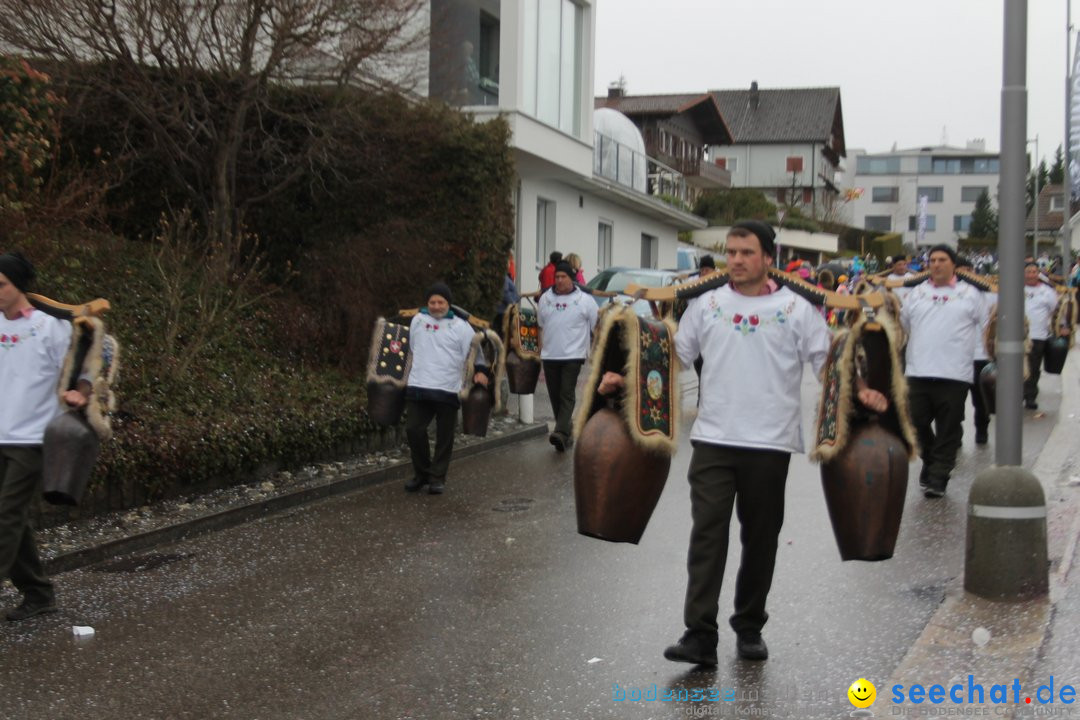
(1031, 405)
(751, 646)
(693, 647)
(981, 437)
(438, 485)
(30, 609)
(558, 440)
(417, 482)
(935, 488)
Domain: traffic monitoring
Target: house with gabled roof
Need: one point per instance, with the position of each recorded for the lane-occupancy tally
(678, 129)
(788, 143)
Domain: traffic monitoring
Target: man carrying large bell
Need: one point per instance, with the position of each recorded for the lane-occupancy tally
(32, 350)
(754, 337)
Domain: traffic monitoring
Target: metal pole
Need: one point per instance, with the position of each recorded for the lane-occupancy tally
(1066, 224)
(1006, 549)
(1010, 347)
(1035, 235)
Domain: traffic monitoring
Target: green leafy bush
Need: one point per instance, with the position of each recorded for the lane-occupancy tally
(28, 128)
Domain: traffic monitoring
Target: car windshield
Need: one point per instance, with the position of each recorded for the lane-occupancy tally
(616, 281)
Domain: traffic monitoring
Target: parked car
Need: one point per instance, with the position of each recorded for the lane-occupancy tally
(616, 279)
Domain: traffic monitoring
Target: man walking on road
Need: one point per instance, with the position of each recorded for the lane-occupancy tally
(754, 337)
(1040, 302)
(32, 350)
(566, 317)
(941, 317)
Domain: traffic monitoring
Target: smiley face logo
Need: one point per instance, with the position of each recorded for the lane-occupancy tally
(862, 693)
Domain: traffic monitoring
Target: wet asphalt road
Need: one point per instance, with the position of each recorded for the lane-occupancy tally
(482, 603)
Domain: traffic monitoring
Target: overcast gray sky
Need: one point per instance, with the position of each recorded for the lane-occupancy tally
(908, 70)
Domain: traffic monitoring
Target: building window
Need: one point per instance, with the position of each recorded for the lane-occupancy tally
(877, 165)
(552, 57)
(650, 251)
(934, 194)
(959, 166)
(971, 193)
(731, 164)
(878, 223)
(604, 234)
(913, 223)
(794, 164)
(807, 196)
(961, 223)
(1057, 203)
(463, 54)
(885, 194)
(545, 230)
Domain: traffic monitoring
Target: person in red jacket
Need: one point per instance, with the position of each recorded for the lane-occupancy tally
(547, 274)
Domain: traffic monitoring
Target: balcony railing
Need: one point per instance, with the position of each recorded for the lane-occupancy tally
(633, 169)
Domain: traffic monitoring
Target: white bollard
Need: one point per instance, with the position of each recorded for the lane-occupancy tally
(525, 409)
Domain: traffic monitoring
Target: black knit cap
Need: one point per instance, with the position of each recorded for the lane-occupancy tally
(18, 270)
(442, 290)
(941, 247)
(764, 233)
(564, 267)
(707, 261)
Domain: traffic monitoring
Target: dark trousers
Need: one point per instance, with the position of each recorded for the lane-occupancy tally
(561, 377)
(982, 417)
(420, 415)
(753, 482)
(20, 482)
(1035, 361)
(937, 411)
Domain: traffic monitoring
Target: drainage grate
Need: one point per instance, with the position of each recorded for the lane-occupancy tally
(142, 563)
(513, 505)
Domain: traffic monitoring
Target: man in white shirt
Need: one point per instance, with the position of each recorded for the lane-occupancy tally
(941, 317)
(899, 271)
(755, 338)
(440, 343)
(566, 317)
(1040, 303)
(32, 350)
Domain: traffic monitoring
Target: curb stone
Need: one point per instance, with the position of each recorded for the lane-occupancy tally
(210, 522)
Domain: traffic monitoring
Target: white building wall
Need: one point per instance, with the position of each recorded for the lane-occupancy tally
(765, 166)
(577, 218)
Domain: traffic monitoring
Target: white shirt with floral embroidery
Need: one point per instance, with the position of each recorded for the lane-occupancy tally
(941, 323)
(567, 322)
(440, 347)
(32, 350)
(753, 348)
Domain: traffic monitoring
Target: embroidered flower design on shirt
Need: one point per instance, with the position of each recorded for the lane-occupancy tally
(939, 299)
(561, 306)
(8, 341)
(431, 327)
(749, 324)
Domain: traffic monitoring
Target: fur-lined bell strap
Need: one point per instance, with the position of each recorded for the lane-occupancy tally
(389, 360)
(522, 330)
(643, 351)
